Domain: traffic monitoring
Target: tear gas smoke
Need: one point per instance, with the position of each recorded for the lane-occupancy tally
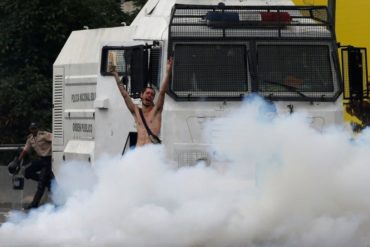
(278, 183)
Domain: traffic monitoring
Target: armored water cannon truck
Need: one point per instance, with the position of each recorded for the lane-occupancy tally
(222, 53)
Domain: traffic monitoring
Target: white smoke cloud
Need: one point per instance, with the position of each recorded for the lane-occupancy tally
(282, 184)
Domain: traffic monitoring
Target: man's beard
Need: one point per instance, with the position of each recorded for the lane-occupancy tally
(147, 103)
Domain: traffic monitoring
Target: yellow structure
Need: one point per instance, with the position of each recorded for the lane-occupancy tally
(352, 28)
(352, 21)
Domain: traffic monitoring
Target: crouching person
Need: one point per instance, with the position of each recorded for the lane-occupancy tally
(40, 169)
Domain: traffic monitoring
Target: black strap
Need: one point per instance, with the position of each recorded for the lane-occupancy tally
(153, 138)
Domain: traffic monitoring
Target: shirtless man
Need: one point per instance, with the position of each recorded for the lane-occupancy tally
(152, 112)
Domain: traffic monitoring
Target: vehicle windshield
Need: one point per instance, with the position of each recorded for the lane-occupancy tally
(295, 68)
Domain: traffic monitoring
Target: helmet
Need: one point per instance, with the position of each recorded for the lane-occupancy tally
(14, 166)
(33, 125)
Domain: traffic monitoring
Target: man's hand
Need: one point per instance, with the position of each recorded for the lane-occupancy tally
(112, 69)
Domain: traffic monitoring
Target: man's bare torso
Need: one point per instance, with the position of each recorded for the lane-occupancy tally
(152, 112)
(153, 120)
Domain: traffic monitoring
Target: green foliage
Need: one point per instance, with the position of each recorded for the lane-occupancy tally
(25, 97)
(139, 3)
(32, 33)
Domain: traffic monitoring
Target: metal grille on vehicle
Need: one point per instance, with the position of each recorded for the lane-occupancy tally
(288, 69)
(58, 106)
(193, 78)
(192, 157)
(227, 52)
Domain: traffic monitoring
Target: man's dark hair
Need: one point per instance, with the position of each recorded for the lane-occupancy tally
(150, 87)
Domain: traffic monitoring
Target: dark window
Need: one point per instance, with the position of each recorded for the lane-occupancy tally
(155, 66)
(113, 56)
(306, 68)
(130, 62)
(209, 70)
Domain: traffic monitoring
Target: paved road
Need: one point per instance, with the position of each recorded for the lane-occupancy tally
(3, 212)
(5, 208)
(11, 199)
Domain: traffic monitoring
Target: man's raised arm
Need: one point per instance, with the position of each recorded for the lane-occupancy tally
(164, 85)
(129, 103)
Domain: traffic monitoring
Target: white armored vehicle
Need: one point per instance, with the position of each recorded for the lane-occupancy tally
(222, 53)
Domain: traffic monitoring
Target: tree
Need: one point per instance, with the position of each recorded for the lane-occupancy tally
(139, 3)
(32, 34)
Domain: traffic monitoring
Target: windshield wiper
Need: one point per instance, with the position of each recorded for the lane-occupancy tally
(290, 88)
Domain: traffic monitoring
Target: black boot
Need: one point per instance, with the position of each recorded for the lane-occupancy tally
(30, 206)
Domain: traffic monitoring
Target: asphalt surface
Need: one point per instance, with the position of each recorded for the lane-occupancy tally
(5, 208)
(13, 199)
